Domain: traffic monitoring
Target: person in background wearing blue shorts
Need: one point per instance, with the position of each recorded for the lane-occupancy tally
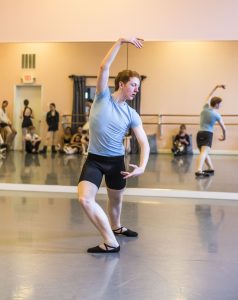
(110, 119)
(208, 118)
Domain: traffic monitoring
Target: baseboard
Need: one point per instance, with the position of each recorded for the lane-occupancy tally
(156, 194)
(213, 152)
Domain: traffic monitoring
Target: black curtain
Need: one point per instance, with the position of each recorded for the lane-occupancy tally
(78, 110)
(135, 103)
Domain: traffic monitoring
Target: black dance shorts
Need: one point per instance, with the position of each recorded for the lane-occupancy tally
(204, 138)
(96, 166)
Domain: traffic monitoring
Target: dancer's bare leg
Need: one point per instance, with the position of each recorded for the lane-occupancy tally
(87, 192)
(204, 151)
(208, 162)
(114, 207)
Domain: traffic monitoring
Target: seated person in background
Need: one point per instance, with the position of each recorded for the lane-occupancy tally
(8, 131)
(3, 146)
(65, 139)
(181, 141)
(88, 105)
(32, 140)
(127, 142)
(75, 145)
(85, 141)
(85, 137)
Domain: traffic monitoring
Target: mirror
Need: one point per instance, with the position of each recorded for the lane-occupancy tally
(179, 76)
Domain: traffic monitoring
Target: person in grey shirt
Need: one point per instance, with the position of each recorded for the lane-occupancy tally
(110, 119)
(208, 118)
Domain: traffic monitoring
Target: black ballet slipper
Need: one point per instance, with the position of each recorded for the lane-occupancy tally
(109, 249)
(211, 172)
(127, 232)
(202, 174)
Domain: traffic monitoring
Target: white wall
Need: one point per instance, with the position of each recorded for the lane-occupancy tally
(106, 20)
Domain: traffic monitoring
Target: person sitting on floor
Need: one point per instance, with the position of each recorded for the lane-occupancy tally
(3, 146)
(85, 141)
(75, 145)
(65, 139)
(32, 140)
(181, 141)
(7, 130)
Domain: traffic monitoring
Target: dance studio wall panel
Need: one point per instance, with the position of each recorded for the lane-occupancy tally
(106, 20)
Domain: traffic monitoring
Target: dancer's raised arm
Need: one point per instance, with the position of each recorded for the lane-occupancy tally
(208, 98)
(103, 75)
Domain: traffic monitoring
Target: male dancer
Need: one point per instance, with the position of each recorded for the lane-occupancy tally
(110, 119)
(208, 117)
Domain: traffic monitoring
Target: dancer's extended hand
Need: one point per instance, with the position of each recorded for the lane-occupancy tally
(136, 172)
(222, 138)
(222, 86)
(137, 42)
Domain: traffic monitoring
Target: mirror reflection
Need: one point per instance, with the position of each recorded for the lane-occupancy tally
(179, 76)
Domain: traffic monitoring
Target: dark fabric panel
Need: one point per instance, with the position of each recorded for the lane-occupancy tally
(78, 110)
(136, 105)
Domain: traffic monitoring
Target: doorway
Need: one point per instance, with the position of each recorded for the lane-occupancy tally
(33, 94)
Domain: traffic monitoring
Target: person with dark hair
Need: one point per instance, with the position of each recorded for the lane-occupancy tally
(65, 139)
(9, 131)
(208, 118)
(32, 140)
(88, 105)
(75, 145)
(110, 119)
(27, 115)
(181, 142)
(52, 120)
(85, 141)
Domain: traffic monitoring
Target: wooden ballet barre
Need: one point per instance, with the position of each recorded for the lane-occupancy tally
(188, 123)
(174, 115)
(161, 123)
(80, 115)
(156, 122)
(183, 115)
(150, 123)
(73, 123)
(149, 115)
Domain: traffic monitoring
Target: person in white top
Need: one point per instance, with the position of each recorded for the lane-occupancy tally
(8, 130)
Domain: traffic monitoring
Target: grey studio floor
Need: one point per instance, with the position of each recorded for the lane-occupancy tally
(186, 249)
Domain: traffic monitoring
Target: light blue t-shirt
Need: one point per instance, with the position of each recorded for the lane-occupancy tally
(208, 118)
(109, 121)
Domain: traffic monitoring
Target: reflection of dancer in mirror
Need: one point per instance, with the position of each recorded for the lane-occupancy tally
(209, 225)
(52, 120)
(208, 117)
(26, 116)
(110, 119)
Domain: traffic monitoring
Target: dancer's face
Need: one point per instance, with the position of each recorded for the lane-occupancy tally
(52, 108)
(131, 88)
(4, 104)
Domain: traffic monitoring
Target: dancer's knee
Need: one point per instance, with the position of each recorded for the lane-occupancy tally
(86, 194)
(85, 201)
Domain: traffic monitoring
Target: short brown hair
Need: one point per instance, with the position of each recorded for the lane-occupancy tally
(31, 128)
(124, 76)
(215, 100)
